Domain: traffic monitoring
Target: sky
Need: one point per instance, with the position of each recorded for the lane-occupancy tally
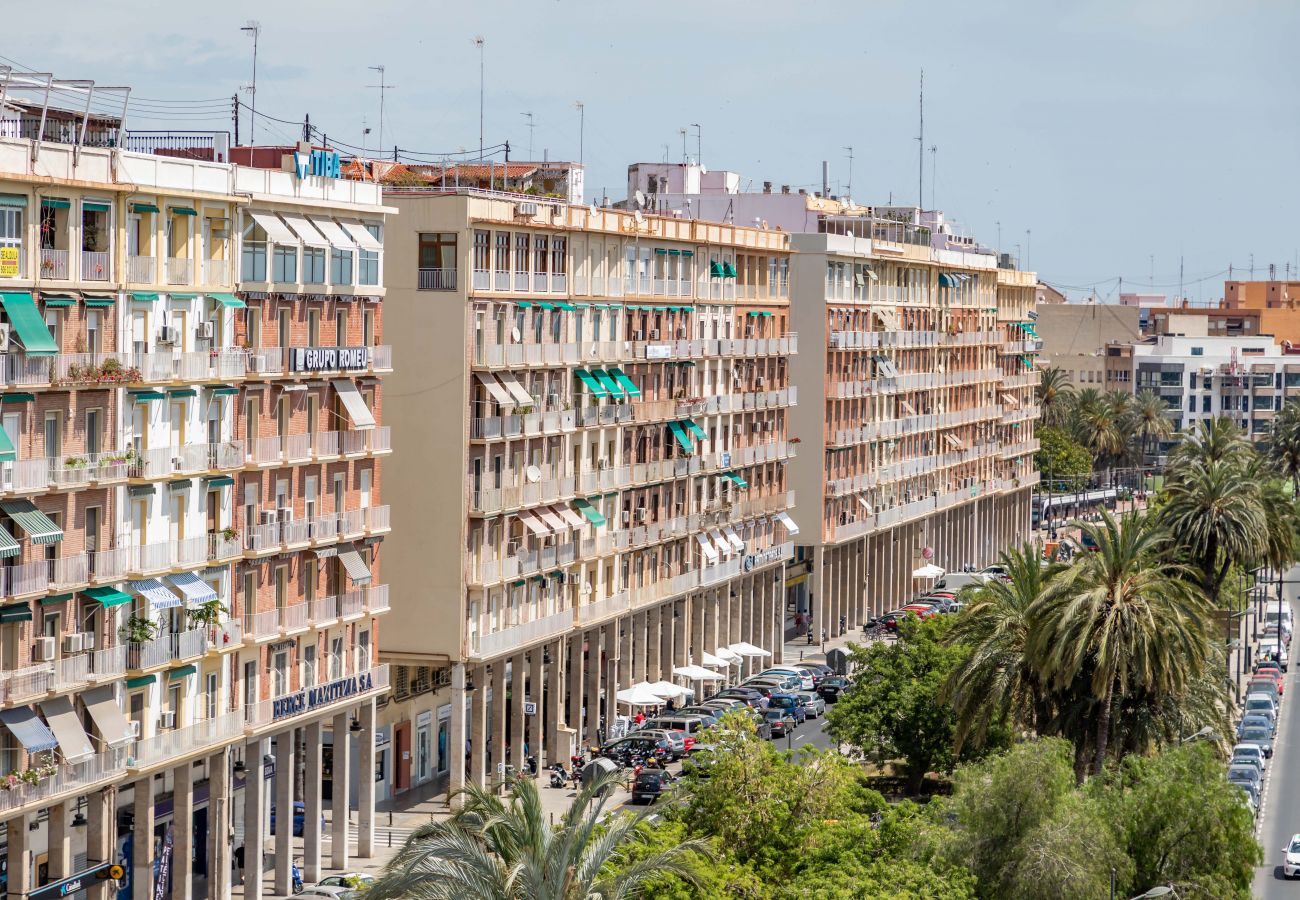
(1100, 140)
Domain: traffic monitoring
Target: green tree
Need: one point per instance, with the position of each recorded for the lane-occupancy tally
(1054, 392)
(1182, 824)
(895, 710)
(497, 848)
(1284, 444)
(1151, 424)
(1125, 617)
(1063, 461)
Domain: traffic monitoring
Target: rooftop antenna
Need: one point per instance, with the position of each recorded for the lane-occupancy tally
(383, 88)
(479, 42)
(699, 143)
(255, 29)
(531, 126)
(682, 132)
(934, 166)
(582, 126)
(365, 133)
(848, 185)
(920, 147)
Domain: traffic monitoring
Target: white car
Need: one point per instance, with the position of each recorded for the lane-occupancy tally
(347, 880)
(1248, 754)
(338, 893)
(1291, 857)
(1269, 651)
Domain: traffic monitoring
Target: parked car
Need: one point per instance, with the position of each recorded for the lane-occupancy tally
(781, 721)
(1260, 703)
(1255, 719)
(650, 784)
(762, 728)
(338, 892)
(1291, 857)
(1245, 773)
(813, 705)
(831, 688)
(820, 671)
(299, 818)
(1258, 734)
(747, 695)
(1249, 796)
(805, 676)
(785, 681)
(1268, 652)
(699, 761)
(792, 704)
(922, 610)
(1265, 684)
(347, 880)
(720, 706)
(708, 713)
(676, 740)
(1248, 753)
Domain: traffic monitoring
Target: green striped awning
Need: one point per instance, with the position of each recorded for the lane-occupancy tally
(523, 304)
(144, 296)
(54, 599)
(12, 200)
(7, 451)
(542, 304)
(735, 479)
(8, 546)
(624, 382)
(99, 301)
(213, 481)
(36, 523)
(592, 384)
(674, 253)
(593, 515)
(177, 295)
(146, 396)
(715, 270)
(695, 429)
(177, 674)
(106, 596)
(728, 270)
(141, 490)
(607, 383)
(16, 612)
(95, 206)
(180, 484)
(683, 439)
(182, 211)
(141, 681)
(567, 307)
(223, 390)
(661, 251)
(143, 208)
(56, 203)
(58, 299)
(29, 323)
(230, 301)
(182, 392)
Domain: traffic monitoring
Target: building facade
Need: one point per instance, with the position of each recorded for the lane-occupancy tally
(189, 482)
(922, 450)
(594, 419)
(1075, 337)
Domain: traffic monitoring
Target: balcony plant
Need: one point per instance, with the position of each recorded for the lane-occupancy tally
(208, 613)
(138, 630)
(75, 462)
(229, 534)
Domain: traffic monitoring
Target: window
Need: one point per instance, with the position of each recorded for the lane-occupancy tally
(210, 696)
(250, 593)
(309, 665)
(368, 327)
(559, 258)
(250, 683)
(313, 265)
(313, 327)
(341, 328)
(284, 265)
(521, 261)
(539, 262)
(368, 260)
(501, 262)
(340, 266)
(336, 658)
(1198, 351)
(482, 251)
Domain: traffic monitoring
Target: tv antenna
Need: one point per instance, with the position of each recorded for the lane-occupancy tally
(383, 88)
(934, 166)
(531, 126)
(848, 185)
(920, 147)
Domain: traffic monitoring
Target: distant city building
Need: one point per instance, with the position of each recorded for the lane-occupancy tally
(1076, 336)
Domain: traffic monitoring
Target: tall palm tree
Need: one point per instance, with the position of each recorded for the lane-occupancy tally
(1000, 681)
(1054, 390)
(1102, 425)
(1215, 440)
(1284, 444)
(1151, 425)
(497, 848)
(1127, 616)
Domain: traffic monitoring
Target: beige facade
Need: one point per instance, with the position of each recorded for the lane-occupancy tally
(594, 467)
(922, 448)
(1075, 337)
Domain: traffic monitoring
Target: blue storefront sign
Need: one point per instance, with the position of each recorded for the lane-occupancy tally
(325, 163)
(304, 701)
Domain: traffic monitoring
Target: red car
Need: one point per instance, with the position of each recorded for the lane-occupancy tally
(922, 610)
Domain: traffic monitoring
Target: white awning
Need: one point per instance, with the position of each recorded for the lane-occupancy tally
(865, 504)
(720, 542)
(907, 407)
(333, 233)
(533, 524)
(516, 389)
(495, 389)
(360, 414)
(716, 661)
(355, 566)
(571, 518)
(730, 656)
(734, 538)
(305, 230)
(707, 546)
(1010, 399)
(639, 694)
(276, 232)
(195, 589)
(553, 522)
(365, 240)
(669, 690)
(784, 519)
(696, 673)
(746, 649)
(155, 592)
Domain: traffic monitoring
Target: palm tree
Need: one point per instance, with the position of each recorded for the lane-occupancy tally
(1215, 440)
(1054, 390)
(1102, 425)
(1151, 425)
(497, 848)
(999, 681)
(1284, 445)
(1126, 616)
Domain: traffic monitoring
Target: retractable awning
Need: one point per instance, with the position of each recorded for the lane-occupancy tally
(333, 233)
(107, 715)
(276, 231)
(305, 230)
(608, 383)
(736, 480)
(553, 522)
(683, 439)
(784, 519)
(365, 240)
(229, 301)
(37, 525)
(8, 546)
(628, 386)
(360, 414)
(30, 731)
(533, 524)
(106, 596)
(517, 390)
(27, 321)
(592, 384)
(734, 538)
(74, 743)
(195, 589)
(569, 516)
(355, 566)
(706, 546)
(695, 429)
(7, 451)
(720, 542)
(594, 516)
(494, 388)
(155, 592)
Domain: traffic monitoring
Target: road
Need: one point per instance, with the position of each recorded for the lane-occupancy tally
(1280, 809)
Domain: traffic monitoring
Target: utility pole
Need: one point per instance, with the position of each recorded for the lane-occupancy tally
(531, 126)
(1180, 277)
(306, 126)
(478, 42)
(920, 148)
(234, 111)
(1028, 232)
(999, 224)
(682, 132)
(383, 89)
(255, 29)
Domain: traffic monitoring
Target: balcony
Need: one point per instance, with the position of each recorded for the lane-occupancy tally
(190, 459)
(517, 636)
(46, 473)
(354, 686)
(179, 742)
(216, 271)
(377, 598)
(54, 264)
(69, 780)
(43, 575)
(96, 266)
(273, 536)
(141, 269)
(437, 280)
(333, 444)
(179, 271)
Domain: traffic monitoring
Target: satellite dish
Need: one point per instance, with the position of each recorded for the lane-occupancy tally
(640, 199)
(533, 474)
(639, 218)
(514, 333)
(594, 209)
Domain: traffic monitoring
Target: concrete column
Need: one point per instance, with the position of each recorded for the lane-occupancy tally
(653, 644)
(613, 672)
(478, 728)
(312, 802)
(733, 629)
(554, 709)
(101, 826)
(339, 790)
(59, 855)
(142, 854)
(366, 782)
(182, 832)
(533, 724)
(457, 774)
(255, 814)
(698, 647)
(518, 725)
(593, 689)
(497, 737)
(19, 858)
(284, 777)
(712, 602)
(573, 718)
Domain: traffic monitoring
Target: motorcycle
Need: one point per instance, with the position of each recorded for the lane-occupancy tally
(559, 776)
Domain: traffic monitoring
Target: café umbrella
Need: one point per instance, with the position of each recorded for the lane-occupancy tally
(639, 694)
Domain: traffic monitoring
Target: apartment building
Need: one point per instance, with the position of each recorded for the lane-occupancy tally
(190, 516)
(1075, 337)
(593, 416)
(922, 449)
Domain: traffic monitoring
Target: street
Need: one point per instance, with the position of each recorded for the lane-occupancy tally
(1279, 816)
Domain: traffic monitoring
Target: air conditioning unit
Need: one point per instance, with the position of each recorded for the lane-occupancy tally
(205, 330)
(88, 640)
(526, 209)
(654, 334)
(166, 335)
(640, 513)
(73, 643)
(4, 338)
(573, 578)
(167, 719)
(269, 516)
(602, 464)
(43, 649)
(256, 363)
(627, 516)
(133, 729)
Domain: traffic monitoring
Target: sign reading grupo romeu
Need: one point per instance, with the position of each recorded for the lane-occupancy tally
(322, 695)
(328, 359)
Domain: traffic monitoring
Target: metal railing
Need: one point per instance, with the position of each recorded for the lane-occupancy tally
(96, 266)
(68, 779)
(161, 462)
(180, 271)
(178, 741)
(54, 264)
(141, 269)
(436, 280)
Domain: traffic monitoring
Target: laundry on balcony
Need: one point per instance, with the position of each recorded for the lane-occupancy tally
(155, 592)
(38, 526)
(27, 321)
(195, 589)
(105, 712)
(360, 414)
(26, 726)
(74, 744)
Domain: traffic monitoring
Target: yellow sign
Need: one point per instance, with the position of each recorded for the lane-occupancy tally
(8, 262)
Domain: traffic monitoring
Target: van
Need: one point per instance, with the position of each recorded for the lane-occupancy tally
(691, 725)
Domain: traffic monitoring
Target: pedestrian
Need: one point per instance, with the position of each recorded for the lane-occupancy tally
(239, 864)
(638, 718)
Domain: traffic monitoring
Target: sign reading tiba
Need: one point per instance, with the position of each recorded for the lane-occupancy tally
(305, 701)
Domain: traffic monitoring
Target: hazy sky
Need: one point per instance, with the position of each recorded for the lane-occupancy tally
(1114, 131)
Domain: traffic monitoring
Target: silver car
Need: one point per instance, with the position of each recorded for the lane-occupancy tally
(676, 739)
(813, 705)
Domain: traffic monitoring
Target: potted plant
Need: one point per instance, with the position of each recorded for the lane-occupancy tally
(229, 533)
(138, 630)
(208, 615)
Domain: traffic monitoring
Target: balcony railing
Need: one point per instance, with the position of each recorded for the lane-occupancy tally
(270, 536)
(68, 780)
(54, 264)
(96, 266)
(261, 625)
(141, 269)
(45, 473)
(149, 654)
(149, 559)
(180, 271)
(163, 462)
(216, 271)
(189, 644)
(437, 280)
(176, 742)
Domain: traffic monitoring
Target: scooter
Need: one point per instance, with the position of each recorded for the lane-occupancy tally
(295, 877)
(559, 776)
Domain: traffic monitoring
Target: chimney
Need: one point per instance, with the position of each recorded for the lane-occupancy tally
(826, 178)
(803, 192)
(785, 188)
(767, 187)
